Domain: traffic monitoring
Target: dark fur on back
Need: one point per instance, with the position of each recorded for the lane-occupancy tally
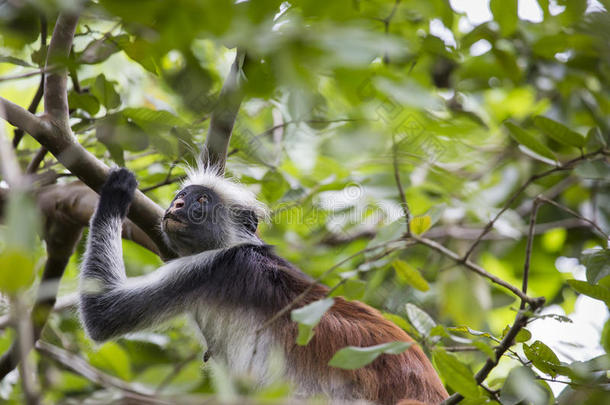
(255, 276)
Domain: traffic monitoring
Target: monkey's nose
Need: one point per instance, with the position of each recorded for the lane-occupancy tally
(179, 203)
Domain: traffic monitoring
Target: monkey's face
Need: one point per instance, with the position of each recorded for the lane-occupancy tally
(195, 221)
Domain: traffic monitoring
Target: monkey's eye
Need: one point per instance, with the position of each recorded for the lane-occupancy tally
(203, 199)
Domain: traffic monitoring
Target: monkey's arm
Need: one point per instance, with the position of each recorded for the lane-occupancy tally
(111, 304)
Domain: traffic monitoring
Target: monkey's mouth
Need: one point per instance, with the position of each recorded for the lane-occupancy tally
(173, 219)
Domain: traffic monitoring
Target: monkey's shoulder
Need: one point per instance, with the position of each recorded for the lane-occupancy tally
(256, 275)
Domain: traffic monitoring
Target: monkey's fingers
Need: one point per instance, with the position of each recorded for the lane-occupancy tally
(117, 193)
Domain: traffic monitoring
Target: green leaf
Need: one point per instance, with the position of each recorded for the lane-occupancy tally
(105, 92)
(142, 52)
(420, 224)
(559, 132)
(596, 140)
(505, 14)
(112, 357)
(595, 291)
(605, 337)
(99, 50)
(351, 357)
(145, 117)
(18, 270)
(84, 101)
(543, 358)
(18, 256)
(554, 239)
(403, 324)
(529, 141)
(14, 61)
(455, 374)
(305, 334)
(274, 186)
(410, 275)
(308, 317)
(595, 170)
(485, 348)
(465, 329)
(420, 319)
(352, 289)
(523, 336)
(597, 262)
(521, 387)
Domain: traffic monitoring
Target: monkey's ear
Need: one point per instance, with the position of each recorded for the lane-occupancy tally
(247, 219)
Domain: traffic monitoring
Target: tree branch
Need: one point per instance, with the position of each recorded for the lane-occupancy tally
(22, 118)
(520, 322)
(566, 166)
(56, 92)
(528, 250)
(54, 133)
(474, 267)
(223, 117)
(401, 191)
(78, 365)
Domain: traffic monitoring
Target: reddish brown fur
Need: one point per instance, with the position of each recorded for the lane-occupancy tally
(386, 380)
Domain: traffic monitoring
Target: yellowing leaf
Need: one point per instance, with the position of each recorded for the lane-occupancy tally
(420, 224)
(17, 270)
(410, 275)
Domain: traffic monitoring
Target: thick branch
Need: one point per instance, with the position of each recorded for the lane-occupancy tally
(56, 93)
(22, 118)
(76, 202)
(54, 134)
(223, 117)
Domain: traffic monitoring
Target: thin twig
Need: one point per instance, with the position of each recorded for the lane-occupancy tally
(80, 366)
(566, 166)
(386, 27)
(503, 347)
(528, 250)
(575, 214)
(473, 267)
(401, 191)
(48, 69)
(36, 160)
(165, 182)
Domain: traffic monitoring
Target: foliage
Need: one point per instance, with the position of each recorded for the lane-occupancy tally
(343, 99)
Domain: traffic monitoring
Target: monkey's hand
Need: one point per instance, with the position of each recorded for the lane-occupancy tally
(117, 193)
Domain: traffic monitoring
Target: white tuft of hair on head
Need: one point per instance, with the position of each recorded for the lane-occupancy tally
(232, 193)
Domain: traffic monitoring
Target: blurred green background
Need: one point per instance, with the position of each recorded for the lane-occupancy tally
(338, 94)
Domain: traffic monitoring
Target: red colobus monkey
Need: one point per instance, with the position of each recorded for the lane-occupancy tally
(232, 282)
